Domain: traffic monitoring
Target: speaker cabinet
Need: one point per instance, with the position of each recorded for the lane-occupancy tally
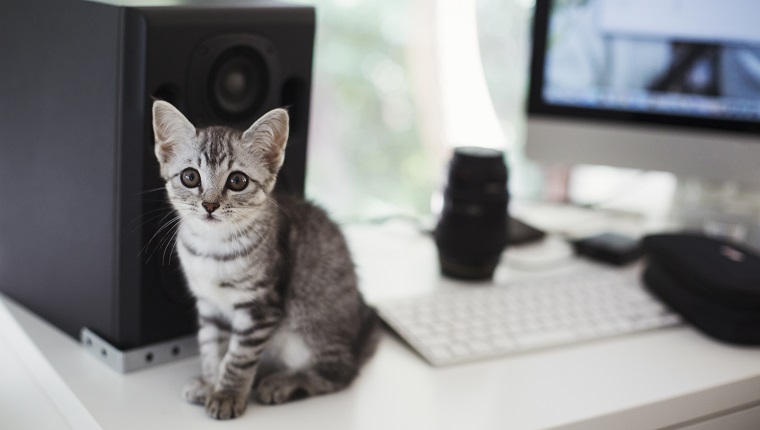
(83, 241)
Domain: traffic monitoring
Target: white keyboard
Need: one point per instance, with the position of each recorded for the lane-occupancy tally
(477, 322)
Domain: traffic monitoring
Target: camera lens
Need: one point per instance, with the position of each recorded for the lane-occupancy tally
(471, 233)
(237, 84)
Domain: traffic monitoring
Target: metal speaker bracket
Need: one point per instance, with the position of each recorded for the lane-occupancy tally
(138, 358)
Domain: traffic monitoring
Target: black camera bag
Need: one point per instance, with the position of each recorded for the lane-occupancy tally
(712, 284)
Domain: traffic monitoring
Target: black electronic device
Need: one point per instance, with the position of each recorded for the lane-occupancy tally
(472, 230)
(77, 169)
(712, 283)
(521, 233)
(609, 247)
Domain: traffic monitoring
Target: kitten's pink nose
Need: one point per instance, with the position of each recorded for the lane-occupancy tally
(210, 207)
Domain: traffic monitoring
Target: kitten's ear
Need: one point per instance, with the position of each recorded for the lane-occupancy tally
(268, 137)
(170, 128)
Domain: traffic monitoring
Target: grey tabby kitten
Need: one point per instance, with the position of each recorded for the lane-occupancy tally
(274, 282)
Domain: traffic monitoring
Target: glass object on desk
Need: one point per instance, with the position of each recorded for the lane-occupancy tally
(732, 230)
(726, 210)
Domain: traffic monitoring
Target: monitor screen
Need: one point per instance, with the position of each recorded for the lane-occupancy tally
(694, 63)
(667, 85)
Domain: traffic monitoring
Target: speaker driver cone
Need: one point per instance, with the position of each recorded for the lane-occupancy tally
(237, 83)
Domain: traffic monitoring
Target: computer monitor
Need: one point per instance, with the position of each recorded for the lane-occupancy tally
(667, 85)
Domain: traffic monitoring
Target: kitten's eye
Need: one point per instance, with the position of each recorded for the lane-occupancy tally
(237, 181)
(190, 178)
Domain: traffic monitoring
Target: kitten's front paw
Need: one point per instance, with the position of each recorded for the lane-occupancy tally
(225, 405)
(197, 390)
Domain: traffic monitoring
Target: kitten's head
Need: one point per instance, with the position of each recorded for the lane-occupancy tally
(217, 175)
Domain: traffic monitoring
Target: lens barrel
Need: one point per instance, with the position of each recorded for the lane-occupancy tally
(472, 230)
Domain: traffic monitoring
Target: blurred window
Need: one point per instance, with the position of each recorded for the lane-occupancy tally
(397, 84)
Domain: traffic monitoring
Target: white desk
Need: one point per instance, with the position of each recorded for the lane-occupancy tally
(670, 377)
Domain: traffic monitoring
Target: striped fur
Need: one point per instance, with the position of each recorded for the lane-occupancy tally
(276, 292)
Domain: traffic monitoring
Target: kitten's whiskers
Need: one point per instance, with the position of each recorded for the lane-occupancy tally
(173, 241)
(151, 190)
(145, 220)
(281, 209)
(251, 222)
(166, 228)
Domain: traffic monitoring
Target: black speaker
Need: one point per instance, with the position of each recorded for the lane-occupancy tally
(83, 241)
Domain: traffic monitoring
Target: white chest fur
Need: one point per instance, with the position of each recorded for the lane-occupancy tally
(290, 348)
(207, 276)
